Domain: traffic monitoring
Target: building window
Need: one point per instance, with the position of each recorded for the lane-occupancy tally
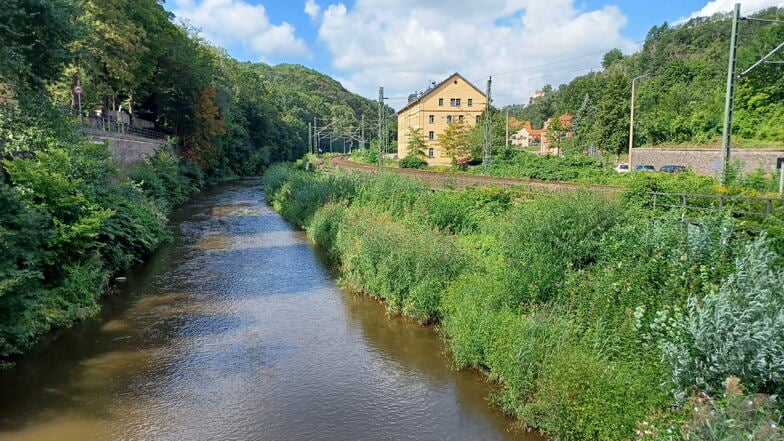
(470, 102)
(441, 102)
(460, 118)
(431, 135)
(430, 152)
(477, 119)
(449, 119)
(431, 119)
(454, 102)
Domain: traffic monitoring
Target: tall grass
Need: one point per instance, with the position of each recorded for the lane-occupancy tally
(565, 301)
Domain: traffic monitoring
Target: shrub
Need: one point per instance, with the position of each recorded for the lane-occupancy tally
(136, 229)
(580, 396)
(463, 211)
(735, 331)
(325, 226)
(162, 178)
(274, 179)
(305, 193)
(407, 269)
(392, 193)
(470, 310)
(412, 161)
(544, 238)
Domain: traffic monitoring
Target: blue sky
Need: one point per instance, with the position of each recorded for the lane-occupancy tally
(404, 44)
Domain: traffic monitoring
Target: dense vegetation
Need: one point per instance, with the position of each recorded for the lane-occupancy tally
(682, 100)
(68, 223)
(600, 318)
(69, 219)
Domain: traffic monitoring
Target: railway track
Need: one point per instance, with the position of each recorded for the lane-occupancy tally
(448, 181)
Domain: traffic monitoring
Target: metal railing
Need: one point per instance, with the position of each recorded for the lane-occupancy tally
(740, 205)
(110, 125)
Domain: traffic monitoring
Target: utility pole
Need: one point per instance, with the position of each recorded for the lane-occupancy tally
(362, 133)
(310, 137)
(730, 98)
(315, 137)
(507, 128)
(382, 128)
(488, 125)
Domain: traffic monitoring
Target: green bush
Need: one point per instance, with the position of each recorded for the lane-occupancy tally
(304, 195)
(470, 308)
(392, 193)
(274, 179)
(551, 168)
(465, 210)
(737, 330)
(408, 269)
(325, 226)
(580, 396)
(412, 161)
(163, 179)
(65, 226)
(135, 230)
(543, 239)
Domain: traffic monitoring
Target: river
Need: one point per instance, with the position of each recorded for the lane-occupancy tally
(237, 331)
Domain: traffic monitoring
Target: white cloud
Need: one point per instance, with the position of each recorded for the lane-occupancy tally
(312, 9)
(404, 44)
(748, 6)
(236, 22)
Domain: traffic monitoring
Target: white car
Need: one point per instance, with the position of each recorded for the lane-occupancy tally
(622, 168)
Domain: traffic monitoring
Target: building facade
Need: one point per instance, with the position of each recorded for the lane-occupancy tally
(526, 136)
(453, 100)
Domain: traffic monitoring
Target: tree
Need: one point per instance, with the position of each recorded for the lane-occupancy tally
(121, 50)
(454, 140)
(416, 142)
(34, 40)
(557, 133)
(612, 114)
(611, 58)
(199, 143)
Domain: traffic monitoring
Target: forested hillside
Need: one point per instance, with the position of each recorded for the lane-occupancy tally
(131, 56)
(69, 220)
(682, 101)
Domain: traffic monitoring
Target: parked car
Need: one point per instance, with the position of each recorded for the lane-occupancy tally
(645, 167)
(622, 168)
(672, 168)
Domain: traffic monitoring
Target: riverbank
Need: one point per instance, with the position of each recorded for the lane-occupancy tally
(577, 305)
(69, 224)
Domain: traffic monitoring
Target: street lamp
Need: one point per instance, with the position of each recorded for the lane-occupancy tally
(631, 119)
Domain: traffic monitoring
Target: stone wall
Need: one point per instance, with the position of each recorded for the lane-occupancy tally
(707, 161)
(127, 150)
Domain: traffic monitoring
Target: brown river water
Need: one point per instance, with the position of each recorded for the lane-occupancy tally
(237, 331)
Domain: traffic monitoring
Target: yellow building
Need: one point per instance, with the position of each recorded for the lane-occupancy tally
(453, 100)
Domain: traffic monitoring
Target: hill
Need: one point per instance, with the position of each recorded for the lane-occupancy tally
(682, 99)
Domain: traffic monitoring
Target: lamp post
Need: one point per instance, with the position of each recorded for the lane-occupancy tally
(631, 119)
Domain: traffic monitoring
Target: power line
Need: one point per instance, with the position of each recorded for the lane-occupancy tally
(564, 60)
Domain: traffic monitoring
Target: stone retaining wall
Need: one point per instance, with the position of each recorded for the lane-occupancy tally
(707, 161)
(127, 150)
